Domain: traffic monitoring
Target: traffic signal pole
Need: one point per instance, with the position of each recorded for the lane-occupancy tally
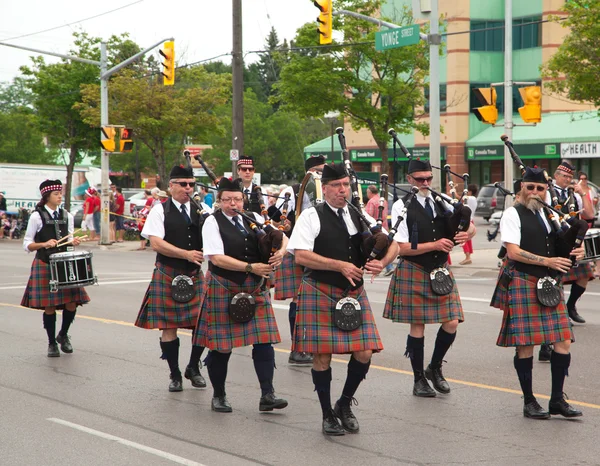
(237, 72)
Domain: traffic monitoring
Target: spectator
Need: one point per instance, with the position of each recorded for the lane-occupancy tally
(3, 201)
(154, 193)
(149, 199)
(96, 213)
(472, 204)
(112, 207)
(372, 207)
(88, 213)
(5, 225)
(207, 196)
(162, 196)
(591, 194)
(13, 228)
(120, 211)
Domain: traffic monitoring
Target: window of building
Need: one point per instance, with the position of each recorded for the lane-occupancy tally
(488, 36)
(443, 99)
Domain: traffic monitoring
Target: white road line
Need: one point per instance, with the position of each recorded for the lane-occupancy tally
(100, 282)
(128, 443)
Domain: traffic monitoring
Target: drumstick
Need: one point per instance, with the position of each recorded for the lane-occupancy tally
(80, 238)
(68, 236)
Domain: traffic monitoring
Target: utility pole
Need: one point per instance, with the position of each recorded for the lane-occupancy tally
(434, 95)
(237, 71)
(508, 101)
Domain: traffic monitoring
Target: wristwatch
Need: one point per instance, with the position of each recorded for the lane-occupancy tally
(249, 268)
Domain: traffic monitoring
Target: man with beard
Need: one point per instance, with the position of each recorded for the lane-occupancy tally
(526, 321)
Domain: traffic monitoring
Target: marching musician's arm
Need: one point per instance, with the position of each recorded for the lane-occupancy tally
(167, 249)
(422, 248)
(392, 253)
(315, 261)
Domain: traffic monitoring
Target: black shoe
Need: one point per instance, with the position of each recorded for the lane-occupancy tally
(575, 317)
(269, 402)
(220, 404)
(194, 376)
(422, 388)
(346, 416)
(176, 384)
(300, 359)
(563, 408)
(437, 379)
(533, 410)
(545, 353)
(331, 425)
(65, 343)
(53, 351)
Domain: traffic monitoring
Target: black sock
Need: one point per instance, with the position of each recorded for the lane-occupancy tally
(170, 352)
(292, 318)
(263, 356)
(357, 371)
(50, 326)
(195, 356)
(322, 381)
(559, 366)
(416, 352)
(67, 319)
(443, 342)
(524, 368)
(576, 292)
(217, 363)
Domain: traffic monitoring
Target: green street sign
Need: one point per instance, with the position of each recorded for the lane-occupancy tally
(399, 37)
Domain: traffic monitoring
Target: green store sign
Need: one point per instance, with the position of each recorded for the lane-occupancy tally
(374, 155)
(525, 151)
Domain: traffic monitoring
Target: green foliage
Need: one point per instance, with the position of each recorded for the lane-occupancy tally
(575, 67)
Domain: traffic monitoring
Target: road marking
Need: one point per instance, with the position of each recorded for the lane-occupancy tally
(127, 443)
(279, 350)
(101, 283)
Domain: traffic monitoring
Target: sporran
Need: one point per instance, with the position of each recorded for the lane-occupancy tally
(347, 314)
(548, 292)
(242, 308)
(441, 281)
(183, 289)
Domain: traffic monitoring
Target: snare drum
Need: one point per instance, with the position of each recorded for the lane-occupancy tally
(71, 270)
(591, 243)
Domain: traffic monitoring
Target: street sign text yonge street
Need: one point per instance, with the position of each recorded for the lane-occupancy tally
(394, 38)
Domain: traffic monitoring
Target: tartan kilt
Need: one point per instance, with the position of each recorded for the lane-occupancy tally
(575, 273)
(160, 310)
(526, 321)
(288, 277)
(500, 296)
(38, 295)
(315, 331)
(411, 300)
(216, 331)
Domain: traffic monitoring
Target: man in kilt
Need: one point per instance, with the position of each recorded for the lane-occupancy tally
(245, 171)
(425, 241)
(174, 229)
(327, 241)
(237, 266)
(47, 225)
(526, 321)
(289, 275)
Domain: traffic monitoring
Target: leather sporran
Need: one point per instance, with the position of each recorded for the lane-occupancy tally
(183, 289)
(548, 292)
(441, 281)
(347, 314)
(242, 308)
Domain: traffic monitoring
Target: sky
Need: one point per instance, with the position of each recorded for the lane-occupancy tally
(201, 28)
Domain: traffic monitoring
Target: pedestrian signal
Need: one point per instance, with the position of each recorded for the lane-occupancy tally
(126, 140)
(108, 140)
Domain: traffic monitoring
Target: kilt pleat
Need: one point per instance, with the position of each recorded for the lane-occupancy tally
(160, 310)
(288, 277)
(500, 296)
(411, 300)
(583, 270)
(38, 295)
(315, 331)
(216, 331)
(526, 321)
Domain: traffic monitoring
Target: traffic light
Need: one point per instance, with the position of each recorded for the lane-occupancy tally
(325, 20)
(488, 113)
(108, 143)
(126, 140)
(168, 52)
(531, 112)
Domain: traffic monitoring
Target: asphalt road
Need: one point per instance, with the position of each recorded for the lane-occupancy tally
(107, 403)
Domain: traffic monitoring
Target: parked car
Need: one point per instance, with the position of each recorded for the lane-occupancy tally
(136, 202)
(489, 200)
(77, 213)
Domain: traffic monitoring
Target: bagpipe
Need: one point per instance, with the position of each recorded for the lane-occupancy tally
(270, 238)
(208, 171)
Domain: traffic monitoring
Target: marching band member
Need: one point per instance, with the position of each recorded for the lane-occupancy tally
(532, 315)
(245, 171)
(173, 296)
(236, 309)
(327, 241)
(47, 225)
(425, 242)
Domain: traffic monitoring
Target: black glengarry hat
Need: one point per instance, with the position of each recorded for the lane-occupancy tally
(227, 185)
(179, 171)
(418, 165)
(534, 175)
(332, 172)
(50, 185)
(313, 161)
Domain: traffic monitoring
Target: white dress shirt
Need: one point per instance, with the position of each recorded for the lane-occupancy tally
(510, 226)
(402, 233)
(35, 224)
(211, 235)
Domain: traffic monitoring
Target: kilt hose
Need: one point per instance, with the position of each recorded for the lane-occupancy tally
(160, 310)
(288, 277)
(584, 270)
(526, 321)
(215, 329)
(37, 293)
(315, 331)
(411, 300)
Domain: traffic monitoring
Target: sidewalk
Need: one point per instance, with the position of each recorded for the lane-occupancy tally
(483, 260)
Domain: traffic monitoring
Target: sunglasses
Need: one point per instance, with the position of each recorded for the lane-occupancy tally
(532, 187)
(246, 169)
(422, 180)
(183, 184)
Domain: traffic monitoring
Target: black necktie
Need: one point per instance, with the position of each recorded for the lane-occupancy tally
(428, 207)
(185, 215)
(562, 196)
(539, 217)
(239, 225)
(340, 213)
(55, 215)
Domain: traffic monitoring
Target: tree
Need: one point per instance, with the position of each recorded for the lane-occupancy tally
(574, 69)
(373, 90)
(271, 62)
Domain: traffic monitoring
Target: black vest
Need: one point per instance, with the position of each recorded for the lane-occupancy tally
(181, 235)
(419, 223)
(334, 242)
(51, 229)
(565, 208)
(251, 202)
(236, 246)
(536, 240)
